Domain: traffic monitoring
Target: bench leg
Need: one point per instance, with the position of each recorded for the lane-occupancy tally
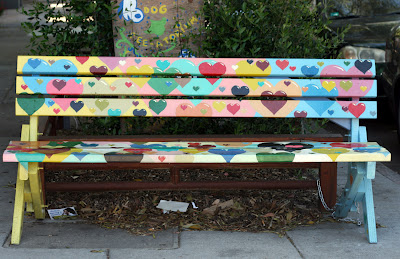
(36, 191)
(328, 178)
(359, 189)
(19, 208)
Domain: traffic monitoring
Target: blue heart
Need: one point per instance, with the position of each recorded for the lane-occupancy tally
(116, 112)
(168, 83)
(331, 112)
(89, 145)
(78, 81)
(34, 62)
(260, 83)
(49, 102)
(222, 89)
(77, 106)
(137, 60)
(80, 155)
(137, 112)
(227, 154)
(240, 90)
(163, 64)
(309, 71)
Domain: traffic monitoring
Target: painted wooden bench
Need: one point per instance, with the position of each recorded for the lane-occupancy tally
(231, 88)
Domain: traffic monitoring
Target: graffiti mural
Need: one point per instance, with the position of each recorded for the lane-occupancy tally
(149, 28)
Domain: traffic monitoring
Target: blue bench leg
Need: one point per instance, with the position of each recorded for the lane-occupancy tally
(359, 189)
(369, 212)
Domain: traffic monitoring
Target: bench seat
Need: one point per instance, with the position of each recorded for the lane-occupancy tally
(192, 152)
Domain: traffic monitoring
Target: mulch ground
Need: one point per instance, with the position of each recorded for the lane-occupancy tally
(242, 210)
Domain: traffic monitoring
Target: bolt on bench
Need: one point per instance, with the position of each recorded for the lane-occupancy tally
(230, 88)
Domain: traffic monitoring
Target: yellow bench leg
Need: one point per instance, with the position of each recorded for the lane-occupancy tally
(36, 191)
(19, 208)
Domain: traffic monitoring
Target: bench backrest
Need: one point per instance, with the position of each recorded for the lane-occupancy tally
(228, 87)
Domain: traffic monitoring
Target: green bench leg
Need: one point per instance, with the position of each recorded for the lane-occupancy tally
(359, 189)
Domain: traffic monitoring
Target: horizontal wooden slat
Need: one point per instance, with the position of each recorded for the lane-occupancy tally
(228, 87)
(194, 108)
(257, 67)
(193, 152)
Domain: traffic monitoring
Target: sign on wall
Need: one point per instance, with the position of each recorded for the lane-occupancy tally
(156, 28)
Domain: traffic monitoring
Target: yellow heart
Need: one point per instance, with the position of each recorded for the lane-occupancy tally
(329, 85)
(363, 88)
(219, 106)
(320, 64)
(253, 84)
(333, 153)
(191, 151)
(92, 110)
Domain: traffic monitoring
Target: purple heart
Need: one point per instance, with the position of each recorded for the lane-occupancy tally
(136, 103)
(59, 84)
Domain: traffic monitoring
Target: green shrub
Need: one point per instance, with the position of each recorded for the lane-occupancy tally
(82, 27)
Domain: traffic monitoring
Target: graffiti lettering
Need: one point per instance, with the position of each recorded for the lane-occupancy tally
(162, 10)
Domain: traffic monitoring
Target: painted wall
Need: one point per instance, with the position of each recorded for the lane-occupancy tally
(156, 28)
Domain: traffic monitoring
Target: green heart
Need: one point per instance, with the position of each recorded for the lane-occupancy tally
(164, 86)
(196, 88)
(274, 157)
(346, 85)
(346, 63)
(158, 105)
(91, 84)
(30, 105)
(101, 104)
(39, 81)
(203, 111)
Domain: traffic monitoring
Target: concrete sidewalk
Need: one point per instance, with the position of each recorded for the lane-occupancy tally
(79, 240)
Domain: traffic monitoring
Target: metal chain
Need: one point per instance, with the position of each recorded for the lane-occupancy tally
(321, 197)
(346, 219)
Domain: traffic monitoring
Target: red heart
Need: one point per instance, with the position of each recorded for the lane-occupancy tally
(161, 158)
(24, 87)
(206, 69)
(184, 106)
(357, 109)
(282, 64)
(56, 111)
(128, 84)
(233, 108)
(292, 68)
(82, 59)
(348, 145)
(262, 64)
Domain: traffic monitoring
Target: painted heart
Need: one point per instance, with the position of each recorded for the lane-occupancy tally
(113, 88)
(363, 88)
(346, 63)
(49, 102)
(82, 59)
(309, 71)
(157, 105)
(64, 103)
(111, 62)
(141, 112)
(330, 112)
(34, 62)
(91, 84)
(240, 90)
(203, 111)
(163, 86)
(320, 63)
(101, 104)
(346, 85)
(168, 83)
(277, 93)
(112, 112)
(262, 64)
(135, 103)
(66, 67)
(282, 64)
(206, 69)
(30, 105)
(328, 85)
(122, 62)
(304, 88)
(273, 106)
(287, 83)
(234, 67)
(138, 60)
(219, 106)
(161, 158)
(196, 88)
(260, 83)
(233, 108)
(59, 84)
(56, 111)
(250, 61)
(77, 106)
(128, 84)
(52, 61)
(163, 64)
(345, 108)
(39, 81)
(292, 68)
(357, 109)
(184, 106)
(300, 114)
(373, 113)
(363, 65)
(24, 87)
(182, 81)
(222, 89)
(98, 70)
